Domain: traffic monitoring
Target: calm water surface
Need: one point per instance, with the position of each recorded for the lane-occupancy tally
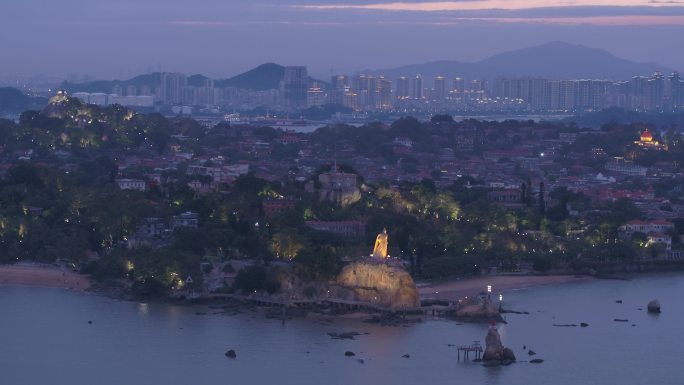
(45, 339)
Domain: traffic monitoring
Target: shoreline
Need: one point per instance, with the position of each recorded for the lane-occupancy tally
(51, 276)
(454, 289)
(450, 289)
(39, 275)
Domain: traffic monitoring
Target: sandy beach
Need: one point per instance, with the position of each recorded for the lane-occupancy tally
(41, 276)
(455, 289)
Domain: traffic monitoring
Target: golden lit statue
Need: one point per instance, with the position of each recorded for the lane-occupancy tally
(380, 248)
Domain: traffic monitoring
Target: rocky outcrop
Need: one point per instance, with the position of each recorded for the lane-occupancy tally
(495, 351)
(61, 105)
(377, 283)
(654, 307)
(478, 309)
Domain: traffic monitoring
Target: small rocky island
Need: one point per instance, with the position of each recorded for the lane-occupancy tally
(654, 307)
(495, 353)
(478, 309)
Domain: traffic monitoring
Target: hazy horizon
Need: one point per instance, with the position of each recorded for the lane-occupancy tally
(114, 40)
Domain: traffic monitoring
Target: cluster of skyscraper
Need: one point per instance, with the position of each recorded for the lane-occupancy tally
(366, 92)
(175, 90)
(655, 93)
(362, 92)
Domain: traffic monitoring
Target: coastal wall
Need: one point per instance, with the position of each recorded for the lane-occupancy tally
(378, 283)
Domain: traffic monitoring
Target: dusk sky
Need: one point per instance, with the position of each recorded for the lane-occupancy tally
(221, 38)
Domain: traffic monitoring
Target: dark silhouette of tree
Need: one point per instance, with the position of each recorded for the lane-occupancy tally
(444, 118)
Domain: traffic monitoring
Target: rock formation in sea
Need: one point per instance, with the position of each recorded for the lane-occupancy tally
(654, 306)
(377, 282)
(495, 351)
(480, 309)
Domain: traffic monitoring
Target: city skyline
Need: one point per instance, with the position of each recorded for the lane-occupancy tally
(362, 92)
(114, 40)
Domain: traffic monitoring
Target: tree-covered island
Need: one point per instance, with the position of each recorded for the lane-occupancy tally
(168, 206)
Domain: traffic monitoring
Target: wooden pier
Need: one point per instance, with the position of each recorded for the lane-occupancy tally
(475, 348)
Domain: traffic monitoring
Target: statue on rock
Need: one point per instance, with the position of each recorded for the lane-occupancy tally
(382, 284)
(380, 248)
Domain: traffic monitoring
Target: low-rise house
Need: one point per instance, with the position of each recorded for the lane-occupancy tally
(647, 227)
(337, 186)
(508, 197)
(223, 174)
(186, 219)
(660, 239)
(403, 141)
(152, 227)
(511, 154)
(622, 166)
(152, 233)
(274, 207)
(346, 228)
(201, 188)
(255, 147)
(35, 212)
(131, 184)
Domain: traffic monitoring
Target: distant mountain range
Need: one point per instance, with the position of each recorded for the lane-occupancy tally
(556, 60)
(264, 77)
(151, 80)
(14, 101)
